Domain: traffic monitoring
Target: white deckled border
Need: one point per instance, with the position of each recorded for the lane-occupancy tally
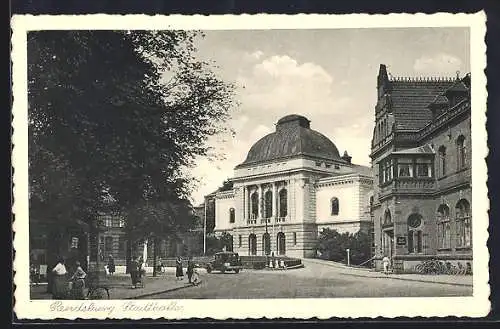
(476, 306)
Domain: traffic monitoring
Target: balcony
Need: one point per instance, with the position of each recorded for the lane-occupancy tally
(253, 220)
(408, 186)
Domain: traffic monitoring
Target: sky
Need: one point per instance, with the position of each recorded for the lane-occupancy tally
(328, 76)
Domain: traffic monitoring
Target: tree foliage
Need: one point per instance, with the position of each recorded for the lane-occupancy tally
(332, 245)
(118, 115)
(218, 243)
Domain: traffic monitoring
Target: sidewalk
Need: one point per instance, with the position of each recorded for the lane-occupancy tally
(121, 286)
(456, 280)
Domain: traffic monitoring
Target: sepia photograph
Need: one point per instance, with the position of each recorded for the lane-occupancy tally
(163, 165)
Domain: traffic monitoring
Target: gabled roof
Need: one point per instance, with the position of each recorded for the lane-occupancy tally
(458, 86)
(424, 149)
(410, 100)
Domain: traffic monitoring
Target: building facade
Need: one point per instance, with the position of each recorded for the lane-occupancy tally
(293, 184)
(421, 151)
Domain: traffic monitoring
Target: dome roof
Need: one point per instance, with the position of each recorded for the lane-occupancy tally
(293, 137)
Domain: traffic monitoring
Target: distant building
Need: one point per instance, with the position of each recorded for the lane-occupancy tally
(293, 184)
(421, 159)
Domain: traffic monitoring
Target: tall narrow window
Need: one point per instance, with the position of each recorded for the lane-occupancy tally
(283, 203)
(443, 222)
(254, 205)
(442, 161)
(463, 224)
(294, 238)
(268, 209)
(231, 215)
(415, 238)
(461, 152)
(240, 240)
(334, 204)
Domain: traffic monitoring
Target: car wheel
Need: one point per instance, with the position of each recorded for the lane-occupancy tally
(223, 271)
(237, 271)
(209, 269)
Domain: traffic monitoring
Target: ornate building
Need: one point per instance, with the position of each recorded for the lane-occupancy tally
(293, 184)
(421, 150)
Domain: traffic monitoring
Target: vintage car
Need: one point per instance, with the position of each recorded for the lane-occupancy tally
(225, 261)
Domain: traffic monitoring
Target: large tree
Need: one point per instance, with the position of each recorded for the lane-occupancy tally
(118, 114)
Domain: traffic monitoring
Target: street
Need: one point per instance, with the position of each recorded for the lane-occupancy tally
(313, 281)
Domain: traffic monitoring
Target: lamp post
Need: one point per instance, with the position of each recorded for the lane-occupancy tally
(205, 229)
(348, 257)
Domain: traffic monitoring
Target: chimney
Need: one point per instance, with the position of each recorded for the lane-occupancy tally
(346, 157)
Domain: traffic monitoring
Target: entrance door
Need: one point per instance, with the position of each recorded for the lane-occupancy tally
(388, 242)
(266, 244)
(281, 243)
(252, 244)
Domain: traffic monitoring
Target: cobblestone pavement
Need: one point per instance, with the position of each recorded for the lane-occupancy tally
(316, 280)
(121, 286)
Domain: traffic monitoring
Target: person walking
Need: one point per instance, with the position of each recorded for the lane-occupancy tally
(78, 282)
(190, 269)
(178, 269)
(111, 265)
(386, 262)
(59, 277)
(134, 269)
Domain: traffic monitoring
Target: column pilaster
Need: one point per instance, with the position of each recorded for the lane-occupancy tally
(261, 201)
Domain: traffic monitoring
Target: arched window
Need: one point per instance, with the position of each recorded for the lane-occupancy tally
(442, 161)
(231, 215)
(252, 244)
(280, 242)
(387, 218)
(463, 224)
(266, 243)
(415, 238)
(443, 226)
(268, 208)
(254, 207)
(283, 203)
(334, 205)
(461, 152)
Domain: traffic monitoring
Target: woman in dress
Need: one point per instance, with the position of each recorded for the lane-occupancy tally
(60, 282)
(178, 269)
(78, 280)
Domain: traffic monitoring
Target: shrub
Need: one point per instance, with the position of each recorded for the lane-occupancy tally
(332, 245)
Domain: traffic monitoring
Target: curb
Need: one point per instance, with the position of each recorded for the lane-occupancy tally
(391, 277)
(160, 292)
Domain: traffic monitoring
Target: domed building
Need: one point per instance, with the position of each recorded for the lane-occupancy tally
(292, 184)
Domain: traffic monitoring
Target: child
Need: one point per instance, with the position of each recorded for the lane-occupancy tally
(386, 263)
(195, 279)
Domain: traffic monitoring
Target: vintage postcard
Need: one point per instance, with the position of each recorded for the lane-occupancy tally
(241, 167)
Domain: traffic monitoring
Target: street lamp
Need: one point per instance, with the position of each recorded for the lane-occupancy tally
(205, 229)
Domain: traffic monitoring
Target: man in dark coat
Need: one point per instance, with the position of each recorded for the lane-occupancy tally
(190, 268)
(134, 271)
